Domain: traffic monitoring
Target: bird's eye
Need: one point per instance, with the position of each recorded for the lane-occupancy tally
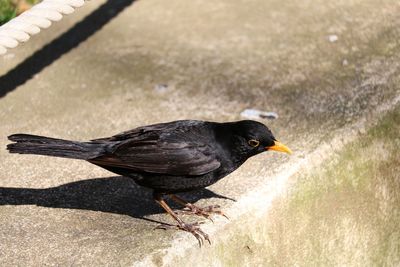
(253, 142)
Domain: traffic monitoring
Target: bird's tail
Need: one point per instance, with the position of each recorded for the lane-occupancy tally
(40, 145)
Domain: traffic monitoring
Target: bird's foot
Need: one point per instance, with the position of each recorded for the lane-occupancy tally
(193, 228)
(205, 212)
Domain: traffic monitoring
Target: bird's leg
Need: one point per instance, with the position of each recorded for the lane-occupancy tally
(193, 228)
(190, 208)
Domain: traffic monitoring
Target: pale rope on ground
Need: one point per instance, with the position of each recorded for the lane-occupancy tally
(29, 22)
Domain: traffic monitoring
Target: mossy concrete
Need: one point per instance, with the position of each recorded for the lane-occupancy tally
(216, 59)
(343, 212)
(346, 212)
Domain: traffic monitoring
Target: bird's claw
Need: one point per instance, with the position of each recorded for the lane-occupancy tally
(165, 226)
(195, 230)
(205, 212)
(192, 228)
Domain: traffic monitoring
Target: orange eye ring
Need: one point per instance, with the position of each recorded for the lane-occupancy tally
(254, 143)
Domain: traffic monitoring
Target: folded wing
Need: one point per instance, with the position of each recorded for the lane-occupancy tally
(153, 152)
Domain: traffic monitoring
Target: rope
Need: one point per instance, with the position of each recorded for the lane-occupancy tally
(29, 22)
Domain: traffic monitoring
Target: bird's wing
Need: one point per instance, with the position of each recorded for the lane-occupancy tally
(164, 152)
(144, 131)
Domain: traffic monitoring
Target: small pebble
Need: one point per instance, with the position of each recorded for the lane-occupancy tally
(258, 114)
(161, 88)
(345, 62)
(333, 38)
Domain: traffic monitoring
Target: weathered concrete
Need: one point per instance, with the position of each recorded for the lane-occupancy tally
(344, 213)
(347, 213)
(217, 59)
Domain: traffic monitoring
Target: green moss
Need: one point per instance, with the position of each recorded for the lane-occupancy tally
(7, 11)
(33, 2)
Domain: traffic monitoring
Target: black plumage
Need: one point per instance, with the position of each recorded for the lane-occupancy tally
(167, 157)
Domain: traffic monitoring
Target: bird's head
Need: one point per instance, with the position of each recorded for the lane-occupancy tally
(252, 137)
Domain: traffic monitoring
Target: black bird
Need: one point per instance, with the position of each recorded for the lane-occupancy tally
(169, 158)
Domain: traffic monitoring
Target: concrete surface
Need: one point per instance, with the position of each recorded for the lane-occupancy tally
(100, 76)
(344, 213)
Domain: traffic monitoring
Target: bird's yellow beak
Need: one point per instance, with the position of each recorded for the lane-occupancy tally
(278, 146)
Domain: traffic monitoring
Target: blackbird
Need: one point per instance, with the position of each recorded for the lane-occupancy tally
(169, 158)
